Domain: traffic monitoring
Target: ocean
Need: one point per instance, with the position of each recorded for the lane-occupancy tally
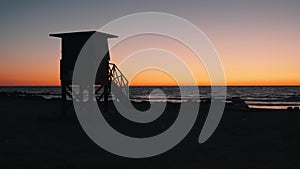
(272, 97)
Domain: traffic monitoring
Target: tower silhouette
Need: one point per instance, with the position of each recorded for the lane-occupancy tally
(71, 45)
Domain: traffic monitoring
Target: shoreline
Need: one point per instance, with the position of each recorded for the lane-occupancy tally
(231, 101)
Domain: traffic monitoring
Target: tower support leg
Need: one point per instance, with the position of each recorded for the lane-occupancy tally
(63, 100)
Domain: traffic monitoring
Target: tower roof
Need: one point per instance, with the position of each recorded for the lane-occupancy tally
(84, 33)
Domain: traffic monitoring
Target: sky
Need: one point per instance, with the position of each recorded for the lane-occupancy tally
(257, 41)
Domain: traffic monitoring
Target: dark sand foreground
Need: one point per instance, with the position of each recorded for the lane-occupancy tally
(33, 136)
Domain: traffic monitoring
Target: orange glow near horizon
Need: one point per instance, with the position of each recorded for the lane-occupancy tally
(30, 69)
(146, 78)
(35, 79)
(255, 61)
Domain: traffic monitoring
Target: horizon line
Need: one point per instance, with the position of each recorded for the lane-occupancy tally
(167, 86)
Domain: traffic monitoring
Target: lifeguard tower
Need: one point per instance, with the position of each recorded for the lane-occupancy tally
(107, 74)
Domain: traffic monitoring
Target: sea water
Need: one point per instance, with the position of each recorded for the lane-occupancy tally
(273, 97)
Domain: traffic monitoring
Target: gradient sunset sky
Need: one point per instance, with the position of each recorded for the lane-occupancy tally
(258, 41)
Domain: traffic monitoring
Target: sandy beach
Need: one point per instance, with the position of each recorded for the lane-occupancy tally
(34, 136)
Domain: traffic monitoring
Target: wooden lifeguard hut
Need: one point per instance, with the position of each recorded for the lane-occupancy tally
(71, 45)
